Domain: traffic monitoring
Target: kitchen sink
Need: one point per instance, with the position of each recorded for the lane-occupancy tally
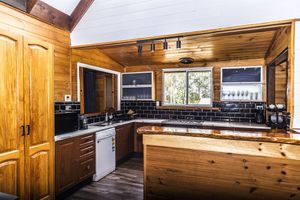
(109, 123)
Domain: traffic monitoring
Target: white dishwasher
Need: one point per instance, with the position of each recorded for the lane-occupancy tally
(105, 153)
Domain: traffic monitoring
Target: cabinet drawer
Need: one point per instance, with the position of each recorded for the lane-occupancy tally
(87, 153)
(87, 139)
(87, 168)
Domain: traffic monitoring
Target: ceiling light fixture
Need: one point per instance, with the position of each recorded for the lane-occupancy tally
(178, 43)
(152, 46)
(165, 44)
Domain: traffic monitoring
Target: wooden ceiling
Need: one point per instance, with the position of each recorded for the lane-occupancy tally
(221, 47)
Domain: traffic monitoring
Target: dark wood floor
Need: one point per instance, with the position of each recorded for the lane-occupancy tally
(126, 183)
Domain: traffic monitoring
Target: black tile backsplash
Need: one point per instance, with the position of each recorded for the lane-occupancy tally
(228, 111)
(62, 107)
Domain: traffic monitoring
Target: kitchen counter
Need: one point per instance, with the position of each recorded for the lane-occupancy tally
(92, 128)
(278, 136)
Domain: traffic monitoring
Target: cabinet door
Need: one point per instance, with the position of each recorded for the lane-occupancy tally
(124, 141)
(66, 165)
(11, 114)
(39, 114)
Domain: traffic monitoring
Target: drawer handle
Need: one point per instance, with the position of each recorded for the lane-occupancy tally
(88, 167)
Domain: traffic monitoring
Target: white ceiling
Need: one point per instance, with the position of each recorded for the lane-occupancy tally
(128, 19)
(65, 6)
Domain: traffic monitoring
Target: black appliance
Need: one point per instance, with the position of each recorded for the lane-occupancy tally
(66, 122)
(260, 115)
(83, 122)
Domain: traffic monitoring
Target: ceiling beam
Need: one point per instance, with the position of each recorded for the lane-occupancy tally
(30, 5)
(78, 12)
(20, 4)
(51, 15)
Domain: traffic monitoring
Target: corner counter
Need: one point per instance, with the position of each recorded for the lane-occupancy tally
(186, 163)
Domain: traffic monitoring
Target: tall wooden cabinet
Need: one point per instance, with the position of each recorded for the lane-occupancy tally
(26, 117)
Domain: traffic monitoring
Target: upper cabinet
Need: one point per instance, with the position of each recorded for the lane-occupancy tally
(138, 86)
(241, 83)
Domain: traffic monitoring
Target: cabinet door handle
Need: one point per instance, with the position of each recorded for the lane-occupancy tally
(23, 130)
(28, 129)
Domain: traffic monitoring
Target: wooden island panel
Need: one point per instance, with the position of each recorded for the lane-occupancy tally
(193, 174)
(183, 163)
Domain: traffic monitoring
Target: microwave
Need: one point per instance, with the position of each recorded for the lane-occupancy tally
(66, 122)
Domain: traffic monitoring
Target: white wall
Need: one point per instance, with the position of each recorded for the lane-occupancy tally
(296, 123)
(112, 20)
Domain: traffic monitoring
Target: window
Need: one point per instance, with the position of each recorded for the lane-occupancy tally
(187, 87)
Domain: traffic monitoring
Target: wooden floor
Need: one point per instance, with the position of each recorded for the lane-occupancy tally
(126, 183)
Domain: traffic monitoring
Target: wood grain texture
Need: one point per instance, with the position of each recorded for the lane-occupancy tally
(75, 161)
(12, 115)
(31, 4)
(189, 174)
(79, 12)
(39, 112)
(216, 72)
(92, 57)
(12, 20)
(218, 47)
(124, 142)
(50, 15)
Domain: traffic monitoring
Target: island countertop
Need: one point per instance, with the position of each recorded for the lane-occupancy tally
(277, 136)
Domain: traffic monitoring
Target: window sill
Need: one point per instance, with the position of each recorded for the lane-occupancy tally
(186, 108)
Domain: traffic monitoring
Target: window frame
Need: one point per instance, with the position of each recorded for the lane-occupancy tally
(261, 83)
(186, 71)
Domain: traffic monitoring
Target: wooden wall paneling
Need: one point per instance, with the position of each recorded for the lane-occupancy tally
(12, 20)
(216, 72)
(100, 92)
(50, 15)
(12, 116)
(39, 112)
(79, 12)
(291, 72)
(283, 39)
(92, 57)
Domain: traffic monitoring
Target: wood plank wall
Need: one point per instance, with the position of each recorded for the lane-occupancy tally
(11, 19)
(282, 41)
(216, 69)
(92, 57)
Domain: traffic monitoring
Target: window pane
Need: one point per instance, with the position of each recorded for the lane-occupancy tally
(252, 74)
(199, 87)
(175, 88)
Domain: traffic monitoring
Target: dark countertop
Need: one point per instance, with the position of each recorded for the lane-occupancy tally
(278, 136)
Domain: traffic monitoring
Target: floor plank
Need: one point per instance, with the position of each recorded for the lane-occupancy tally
(126, 183)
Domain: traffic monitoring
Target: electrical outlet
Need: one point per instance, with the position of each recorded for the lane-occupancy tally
(67, 97)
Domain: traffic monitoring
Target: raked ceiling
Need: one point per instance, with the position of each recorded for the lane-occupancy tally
(66, 6)
(115, 20)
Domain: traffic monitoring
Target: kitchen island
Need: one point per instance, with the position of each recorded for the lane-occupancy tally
(187, 163)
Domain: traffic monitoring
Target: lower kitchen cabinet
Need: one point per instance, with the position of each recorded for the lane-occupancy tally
(138, 139)
(124, 142)
(75, 161)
